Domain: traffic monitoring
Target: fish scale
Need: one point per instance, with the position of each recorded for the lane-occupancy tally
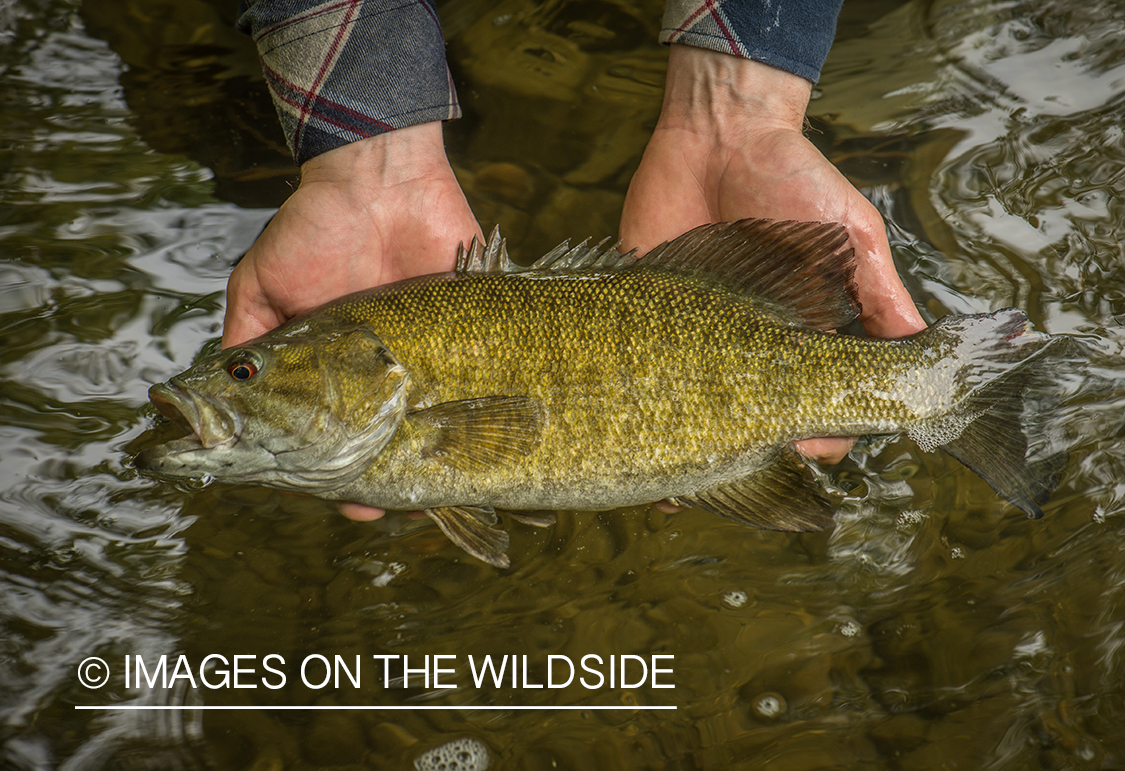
(591, 374)
(592, 380)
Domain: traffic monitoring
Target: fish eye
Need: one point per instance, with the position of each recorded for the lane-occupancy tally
(242, 368)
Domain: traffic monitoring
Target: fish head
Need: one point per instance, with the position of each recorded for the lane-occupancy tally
(296, 412)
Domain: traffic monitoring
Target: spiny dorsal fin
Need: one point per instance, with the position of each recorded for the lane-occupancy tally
(493, 258)
(479, 258)
(782, 496)
(597, 257)
(805, 267)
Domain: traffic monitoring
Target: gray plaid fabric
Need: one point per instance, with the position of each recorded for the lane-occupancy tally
(344, 70)
(791, 35)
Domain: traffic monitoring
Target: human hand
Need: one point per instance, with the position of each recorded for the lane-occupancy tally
(368, 213)
(729, 145)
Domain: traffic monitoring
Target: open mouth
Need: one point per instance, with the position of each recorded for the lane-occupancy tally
(206, 421)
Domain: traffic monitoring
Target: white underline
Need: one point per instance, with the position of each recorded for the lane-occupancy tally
(179, 708)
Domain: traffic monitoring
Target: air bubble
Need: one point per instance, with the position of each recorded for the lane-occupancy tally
(935, 433)
(908, 520)
(735, 599)
(195, 484)
(466, 754)
(770, 706)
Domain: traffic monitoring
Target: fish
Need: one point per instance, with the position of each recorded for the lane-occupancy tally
(594, 380)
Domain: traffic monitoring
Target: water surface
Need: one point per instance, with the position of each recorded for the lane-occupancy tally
(933, 627)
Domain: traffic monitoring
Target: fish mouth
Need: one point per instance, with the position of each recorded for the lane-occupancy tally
(209, 423)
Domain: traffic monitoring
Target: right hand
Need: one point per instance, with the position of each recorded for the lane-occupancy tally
(368, 213)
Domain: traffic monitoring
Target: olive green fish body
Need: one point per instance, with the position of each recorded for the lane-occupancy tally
(594, 381)
(648, 384)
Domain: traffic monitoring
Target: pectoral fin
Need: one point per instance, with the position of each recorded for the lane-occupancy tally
(470, 527)
(477, 435)
(782, 496)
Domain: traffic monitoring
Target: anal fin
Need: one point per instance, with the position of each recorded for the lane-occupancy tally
(471, 528)
(781, 496)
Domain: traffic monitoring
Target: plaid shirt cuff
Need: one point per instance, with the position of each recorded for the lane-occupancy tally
(791, 35)
(344, 70)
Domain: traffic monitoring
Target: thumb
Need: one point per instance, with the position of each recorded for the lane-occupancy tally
(249, 313)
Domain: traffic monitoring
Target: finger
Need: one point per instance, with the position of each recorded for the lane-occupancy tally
(248, 313)
(239, 328)
(828, 450)
(888, 310)
(358, 512)
(649, 215)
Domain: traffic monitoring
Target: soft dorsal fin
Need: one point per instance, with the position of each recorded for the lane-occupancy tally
(806, 267)
(493, 257)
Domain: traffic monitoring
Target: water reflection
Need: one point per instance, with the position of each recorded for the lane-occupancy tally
(932, 626)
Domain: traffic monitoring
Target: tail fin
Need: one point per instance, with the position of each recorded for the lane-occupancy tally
(1003, 429)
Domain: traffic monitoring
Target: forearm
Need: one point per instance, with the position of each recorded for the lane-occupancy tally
(376, 165)
(724, 95)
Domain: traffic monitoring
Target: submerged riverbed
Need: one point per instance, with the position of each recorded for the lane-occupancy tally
(933, 627)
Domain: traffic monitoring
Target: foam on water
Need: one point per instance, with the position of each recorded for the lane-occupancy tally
(465, 754)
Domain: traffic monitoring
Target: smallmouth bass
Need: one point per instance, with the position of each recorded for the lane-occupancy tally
(594, 380)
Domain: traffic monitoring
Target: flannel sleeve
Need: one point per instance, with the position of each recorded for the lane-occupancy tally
(343, 70)
(791, 35)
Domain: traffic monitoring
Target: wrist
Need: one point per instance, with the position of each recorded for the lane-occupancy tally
(394, 158)
(712, 92)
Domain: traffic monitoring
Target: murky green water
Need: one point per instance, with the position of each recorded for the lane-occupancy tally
(932, 628)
